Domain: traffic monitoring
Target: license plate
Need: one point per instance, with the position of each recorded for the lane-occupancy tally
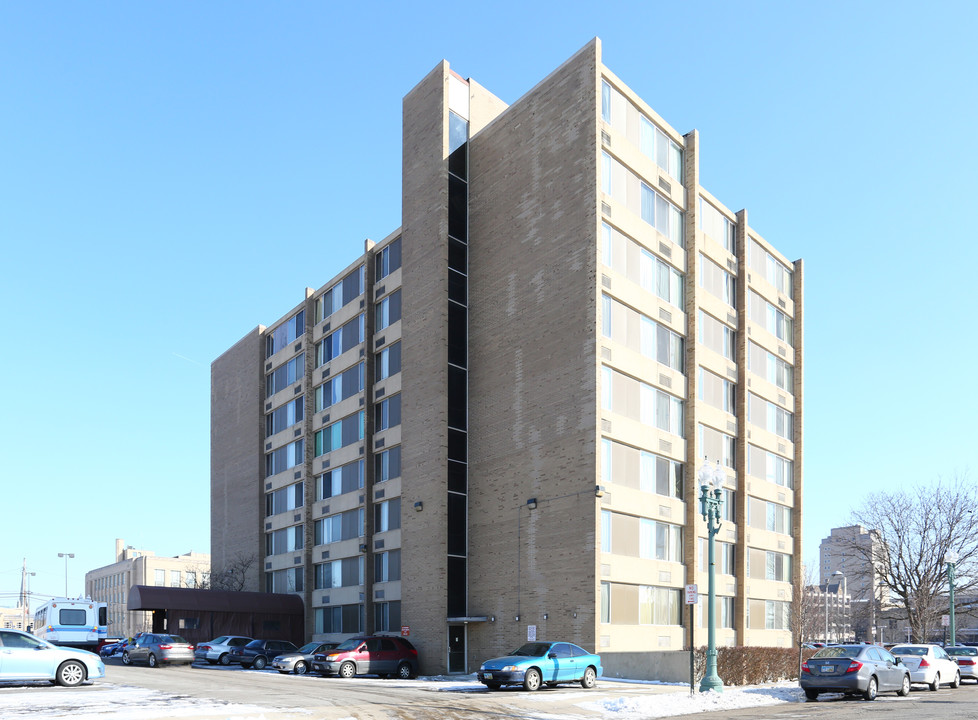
(488, 676)
(827, 668)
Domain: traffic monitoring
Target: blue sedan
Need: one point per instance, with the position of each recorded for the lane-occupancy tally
(536, 663)
(25, 657)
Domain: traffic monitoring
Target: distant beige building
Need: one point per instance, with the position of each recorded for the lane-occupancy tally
(488, 426)
(111, 583)
(17, 618)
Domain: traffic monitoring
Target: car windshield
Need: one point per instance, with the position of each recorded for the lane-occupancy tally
(351, 644)
(309, 647)
(907, 650)
(837, 651)
(532, 650)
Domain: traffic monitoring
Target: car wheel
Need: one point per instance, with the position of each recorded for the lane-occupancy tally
(260, 662)
(225, 659)
(905, 688)
(532, 680)
(589, 677)
(152, 661)
(348, 670)
(493, 685)
(936, 685)
(871, 688)
(300, 668)
(404, 671)
(126, 660)
(811, 694)
(957, 680)
(70, 673)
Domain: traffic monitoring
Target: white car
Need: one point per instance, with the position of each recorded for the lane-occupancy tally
(928, 664)
(25, 657)
(967, 659)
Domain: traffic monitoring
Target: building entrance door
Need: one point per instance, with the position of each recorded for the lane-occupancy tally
(456, 649)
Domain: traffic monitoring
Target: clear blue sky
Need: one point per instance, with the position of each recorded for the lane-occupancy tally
(174, 174)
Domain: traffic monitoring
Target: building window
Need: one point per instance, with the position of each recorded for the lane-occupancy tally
(661, 278)
(388, 259)
(656, 342)
(191, 578)
(345, 619)
(387, 566)
(605, 101)
(659, 606)
(717, 391)
(344, 479)
(777, 615)
(285, 375)
(716, 445)
(159, 578)
(388, 362)
(341, 340)
(347, 572)
(605, 602)
(771, 516)
(387, 515)
(718, 226)
(284, 458)
(769, 416)
(342, 526)
(771, 467)
(660, 475)
(285, 540)
(717, 281)
(774, 271)
(717, 336)
(339, 388)
(661, 214)
(387, 616)
(284, 499)
(284, 581)
(345, 291)
(769, 366)
(771, 318)
(606, 531)
(660, 541)
(388, 310)
(341, 433)
(655, 407)
(284, 416)
(174, 578)
(387, 413)
(387, 464)
(287, 332)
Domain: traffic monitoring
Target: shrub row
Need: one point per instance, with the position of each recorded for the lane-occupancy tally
(748, 665)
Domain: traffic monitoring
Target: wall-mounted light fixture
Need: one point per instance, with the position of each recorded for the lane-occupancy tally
(419, 506)
(531, 504)
(545, 616)
(492, 618)
(517, 618)
(599, 491)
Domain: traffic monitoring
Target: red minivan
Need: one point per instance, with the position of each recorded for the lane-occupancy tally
(373, 655)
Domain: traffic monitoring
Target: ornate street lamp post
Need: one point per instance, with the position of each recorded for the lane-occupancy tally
(952, 558)
(710, 502)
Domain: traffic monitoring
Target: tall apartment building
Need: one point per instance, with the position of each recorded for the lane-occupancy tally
(848, 550)
(489, 424)
(111, 583)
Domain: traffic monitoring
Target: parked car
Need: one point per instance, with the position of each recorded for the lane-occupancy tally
(111, 648)
(967, 659)
(157, 649)
(374, 655)
(25, 657)
(853, 669)
(258, 652)
(218, 650)
(298, 662)
(928, 664)
(536, 663)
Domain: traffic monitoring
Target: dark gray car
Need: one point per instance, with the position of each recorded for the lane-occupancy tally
(853, 670)
(157, 649)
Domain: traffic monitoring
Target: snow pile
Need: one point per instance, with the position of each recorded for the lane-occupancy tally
(682, 703)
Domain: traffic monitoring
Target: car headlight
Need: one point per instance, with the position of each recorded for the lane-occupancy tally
(511, 668)
(331, 658)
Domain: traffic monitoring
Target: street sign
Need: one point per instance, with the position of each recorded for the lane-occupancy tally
(692, 596)
(405, 630)
(945, 620)
(531, 633)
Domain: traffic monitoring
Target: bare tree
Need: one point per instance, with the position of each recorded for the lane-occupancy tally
(232, 576)
(806, 609)
(917, 529)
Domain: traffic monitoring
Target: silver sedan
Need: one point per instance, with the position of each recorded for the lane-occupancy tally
(299, 662)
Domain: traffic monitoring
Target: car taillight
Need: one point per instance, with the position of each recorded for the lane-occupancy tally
(166, 647)
(203, 647)
(804, 667)
(966, 661)
(924, 663)
(190, 647)
(854, 666)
